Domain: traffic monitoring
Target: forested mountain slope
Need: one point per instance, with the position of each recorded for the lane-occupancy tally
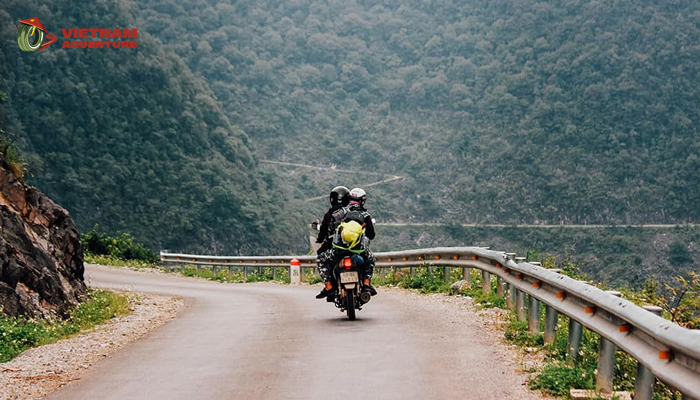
(494, 111)
(499, 111)
(130, 138)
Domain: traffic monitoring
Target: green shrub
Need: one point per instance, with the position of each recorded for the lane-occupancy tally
(678, 253)
(16, 161)
(517, 333)
(491, 300)
(426, 280)
(558, 378)
(123, 247)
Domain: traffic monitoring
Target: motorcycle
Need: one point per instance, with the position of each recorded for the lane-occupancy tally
(350, 295)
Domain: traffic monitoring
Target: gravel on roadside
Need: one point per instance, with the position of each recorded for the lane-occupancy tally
(39, 371)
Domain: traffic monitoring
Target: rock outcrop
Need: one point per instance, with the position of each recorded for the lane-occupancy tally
(41, 257)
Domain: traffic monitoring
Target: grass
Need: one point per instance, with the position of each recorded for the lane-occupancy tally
(425, 280)
(236, 274)
(19, 334)
(117, 262)
(432, 280)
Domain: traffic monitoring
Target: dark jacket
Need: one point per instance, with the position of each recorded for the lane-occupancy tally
(324, 232)
(369, 224)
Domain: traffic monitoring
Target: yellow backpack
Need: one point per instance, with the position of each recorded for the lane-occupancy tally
(348, 236)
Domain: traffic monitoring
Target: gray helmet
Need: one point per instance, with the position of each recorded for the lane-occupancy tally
(358, 195)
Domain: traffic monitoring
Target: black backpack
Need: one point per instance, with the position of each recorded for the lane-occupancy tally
(347, 214)
(353, 214)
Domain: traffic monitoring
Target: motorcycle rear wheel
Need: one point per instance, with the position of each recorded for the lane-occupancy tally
(350, 304)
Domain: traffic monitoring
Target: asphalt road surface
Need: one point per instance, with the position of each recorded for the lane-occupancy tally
(272, 341)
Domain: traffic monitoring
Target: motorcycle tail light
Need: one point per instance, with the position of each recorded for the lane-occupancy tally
(347, 263)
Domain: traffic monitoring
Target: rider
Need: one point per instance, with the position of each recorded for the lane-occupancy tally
(339, 198)
(358, 198)
(356, 230)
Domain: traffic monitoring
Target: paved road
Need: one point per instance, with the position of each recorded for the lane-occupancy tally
(270, 341)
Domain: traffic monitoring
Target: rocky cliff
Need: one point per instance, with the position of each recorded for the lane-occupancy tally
(41, 257)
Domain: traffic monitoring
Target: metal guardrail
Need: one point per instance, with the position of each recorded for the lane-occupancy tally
(662, 349)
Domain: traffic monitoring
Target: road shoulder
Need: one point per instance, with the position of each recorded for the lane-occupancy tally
(40, 371)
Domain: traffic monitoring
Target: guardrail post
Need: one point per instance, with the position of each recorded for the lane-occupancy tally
(520, 304)
(551, 317)
(413, 272)
(533, 322)
(485, 283)
(294, 272)
(274, 272)
(573, 345)
(446, 272)
(644, 384)
(499, 286)
(467, 275)
(606, 366)
(606, 361)
(245, 274)
(519, 296)
(510, 298)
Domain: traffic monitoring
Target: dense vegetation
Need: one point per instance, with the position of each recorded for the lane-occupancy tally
(123, 247)
(131, 139)
(572, 111)
(619, 256)
(501, 111)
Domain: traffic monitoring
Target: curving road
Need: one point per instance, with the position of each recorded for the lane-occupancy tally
(271, 341)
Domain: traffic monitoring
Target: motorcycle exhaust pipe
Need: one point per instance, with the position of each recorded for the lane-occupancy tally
(365, 297)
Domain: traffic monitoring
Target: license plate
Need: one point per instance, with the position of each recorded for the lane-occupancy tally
(346, 277)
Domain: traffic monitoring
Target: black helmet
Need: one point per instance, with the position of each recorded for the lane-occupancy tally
(358, 195)
(340, 195)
